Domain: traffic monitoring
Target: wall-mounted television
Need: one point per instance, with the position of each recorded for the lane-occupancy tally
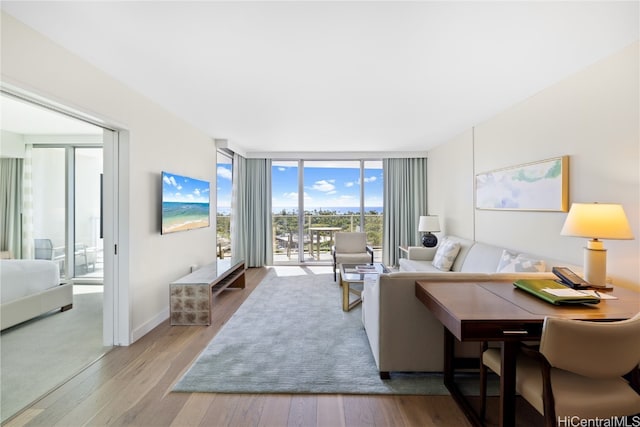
(185, 203)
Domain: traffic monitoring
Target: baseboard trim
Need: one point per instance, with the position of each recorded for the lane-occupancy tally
(149, 325)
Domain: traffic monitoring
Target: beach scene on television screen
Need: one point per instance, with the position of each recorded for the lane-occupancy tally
(185, 203)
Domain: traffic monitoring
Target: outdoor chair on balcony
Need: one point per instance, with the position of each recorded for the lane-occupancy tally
(290, 241)
(350, 248)
(44, 249)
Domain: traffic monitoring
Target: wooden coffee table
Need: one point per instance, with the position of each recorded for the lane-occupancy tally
(349, 275)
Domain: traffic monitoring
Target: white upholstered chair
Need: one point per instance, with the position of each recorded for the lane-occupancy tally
(350, 248)
(582, 369)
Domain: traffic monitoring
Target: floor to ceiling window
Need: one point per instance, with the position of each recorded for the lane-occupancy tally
(224, 189)
(314, 199)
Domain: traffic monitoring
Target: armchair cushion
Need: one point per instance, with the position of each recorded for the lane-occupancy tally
(350, 243)
(353, 258)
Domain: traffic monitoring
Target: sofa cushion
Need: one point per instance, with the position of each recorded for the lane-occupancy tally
(482, 258)
(446, 255)
(515, 263)
(407, 264)
(465, 247)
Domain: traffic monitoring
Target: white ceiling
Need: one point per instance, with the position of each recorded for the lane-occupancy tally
(336, 76)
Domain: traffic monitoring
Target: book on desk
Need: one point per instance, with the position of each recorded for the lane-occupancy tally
(556, 293)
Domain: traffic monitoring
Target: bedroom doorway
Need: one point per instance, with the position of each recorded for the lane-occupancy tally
(70, 169)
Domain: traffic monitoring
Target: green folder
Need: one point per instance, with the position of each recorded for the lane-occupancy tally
(536, 286)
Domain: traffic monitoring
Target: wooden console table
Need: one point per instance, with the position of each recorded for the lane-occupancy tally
(191, 297)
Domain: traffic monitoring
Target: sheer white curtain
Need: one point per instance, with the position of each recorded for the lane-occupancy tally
(251, 225)
(11, 206)
(405, 199)
(27, 204)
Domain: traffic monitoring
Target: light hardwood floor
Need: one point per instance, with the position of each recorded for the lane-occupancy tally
(132, 386)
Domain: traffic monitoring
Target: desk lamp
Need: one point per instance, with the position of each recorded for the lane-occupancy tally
(429, 224)
(596, 221)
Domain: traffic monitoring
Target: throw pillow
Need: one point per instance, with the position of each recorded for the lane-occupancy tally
(512, 262)
(446, 255)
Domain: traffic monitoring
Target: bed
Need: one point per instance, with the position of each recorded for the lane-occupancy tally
(29, 288)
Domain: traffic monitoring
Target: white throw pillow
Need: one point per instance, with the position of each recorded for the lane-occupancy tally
(512, 262)
(446, 255)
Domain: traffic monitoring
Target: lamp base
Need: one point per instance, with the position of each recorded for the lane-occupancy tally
(429, 240)
(595, 267)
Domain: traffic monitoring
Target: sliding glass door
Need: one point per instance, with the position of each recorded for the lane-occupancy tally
(314, 199)
(66, 184)
(285, 199)
(88, 242)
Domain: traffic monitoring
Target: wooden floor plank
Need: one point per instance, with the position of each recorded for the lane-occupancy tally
(131, 386)
(193, 410)
(276, 410)
(303, 411)
(331, 411)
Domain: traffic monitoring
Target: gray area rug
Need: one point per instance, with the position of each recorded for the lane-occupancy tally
(41, 354)
(291, 336)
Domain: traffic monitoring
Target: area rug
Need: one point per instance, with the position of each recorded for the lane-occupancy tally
(291, 336)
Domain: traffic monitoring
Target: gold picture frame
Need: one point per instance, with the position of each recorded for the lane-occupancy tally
(536, 186)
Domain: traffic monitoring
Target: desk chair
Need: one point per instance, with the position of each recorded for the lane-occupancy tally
(578, 370)
(350, 248)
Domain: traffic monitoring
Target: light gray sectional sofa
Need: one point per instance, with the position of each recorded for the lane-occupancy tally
(402, 332)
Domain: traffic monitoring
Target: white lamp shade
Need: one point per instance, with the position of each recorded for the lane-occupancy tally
(597, 221)
(429, 223)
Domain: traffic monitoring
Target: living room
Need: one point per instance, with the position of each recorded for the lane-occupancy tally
(590, 115)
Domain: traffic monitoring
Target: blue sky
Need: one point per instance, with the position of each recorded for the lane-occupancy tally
(325, 186)
(177, 188)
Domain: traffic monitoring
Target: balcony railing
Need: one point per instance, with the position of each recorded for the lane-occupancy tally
(315, 246)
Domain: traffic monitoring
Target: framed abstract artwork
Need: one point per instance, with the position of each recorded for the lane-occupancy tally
(537, 186)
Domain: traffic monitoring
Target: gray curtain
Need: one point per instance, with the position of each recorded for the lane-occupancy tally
(11, 206)
(405, 199)
(251, 225)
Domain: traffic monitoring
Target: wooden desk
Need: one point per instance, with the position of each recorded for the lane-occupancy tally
(498, 311)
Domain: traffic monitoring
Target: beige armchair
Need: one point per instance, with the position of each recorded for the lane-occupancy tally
(350, 248)
(578, 371)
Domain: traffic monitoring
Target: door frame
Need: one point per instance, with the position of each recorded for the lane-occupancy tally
(116, 302)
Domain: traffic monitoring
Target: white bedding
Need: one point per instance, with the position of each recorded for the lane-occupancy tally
(23, 277)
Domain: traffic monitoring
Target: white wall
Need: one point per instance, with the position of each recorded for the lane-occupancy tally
(450, 185)
(594, 117)
(11, 144)
(158, 141)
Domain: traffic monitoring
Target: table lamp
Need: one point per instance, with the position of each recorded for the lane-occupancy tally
(596, 221)
(429, 224)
